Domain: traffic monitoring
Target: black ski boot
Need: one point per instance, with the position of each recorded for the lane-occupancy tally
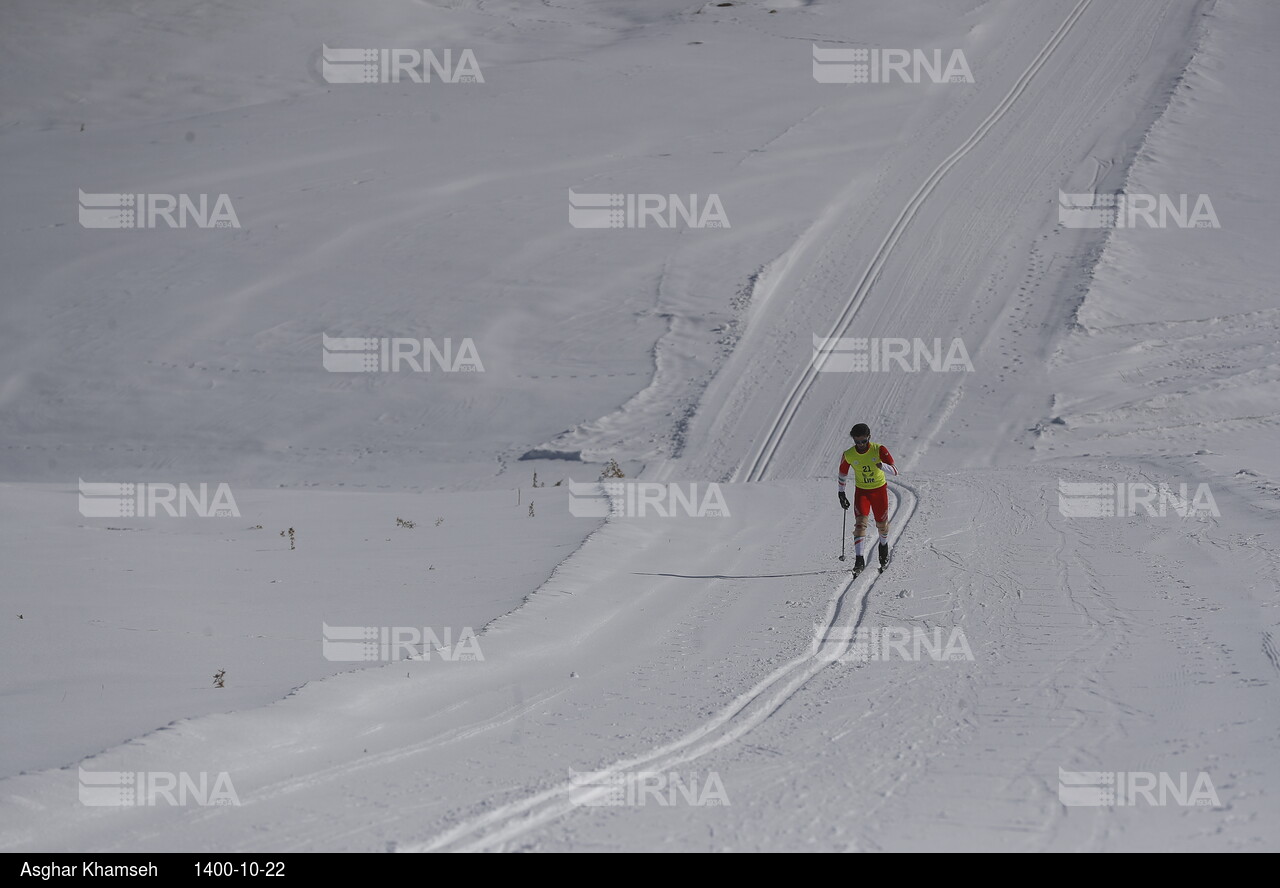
(884, 556)
(859, 565)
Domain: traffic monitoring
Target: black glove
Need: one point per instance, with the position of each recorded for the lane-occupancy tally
(844, 501)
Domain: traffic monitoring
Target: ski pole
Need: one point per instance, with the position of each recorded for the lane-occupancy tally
(843, 524)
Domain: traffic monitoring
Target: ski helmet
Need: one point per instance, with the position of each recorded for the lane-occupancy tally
(861, 430)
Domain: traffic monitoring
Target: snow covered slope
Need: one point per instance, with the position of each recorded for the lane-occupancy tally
(114, 627)
(727, 652)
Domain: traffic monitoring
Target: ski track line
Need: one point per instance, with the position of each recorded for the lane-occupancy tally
(792, 404)
(746, 712)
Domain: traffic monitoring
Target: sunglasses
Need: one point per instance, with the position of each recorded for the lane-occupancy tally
(861, 440)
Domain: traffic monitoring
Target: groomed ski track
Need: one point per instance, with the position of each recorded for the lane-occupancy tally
(493, 830)
(758, 468)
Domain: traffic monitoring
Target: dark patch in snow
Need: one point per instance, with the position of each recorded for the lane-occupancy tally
(570, 455)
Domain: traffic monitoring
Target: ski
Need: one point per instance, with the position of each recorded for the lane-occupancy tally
(859, 565)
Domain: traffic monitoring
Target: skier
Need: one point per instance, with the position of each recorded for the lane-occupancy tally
(872, 491)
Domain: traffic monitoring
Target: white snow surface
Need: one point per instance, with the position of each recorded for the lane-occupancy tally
(632, 646)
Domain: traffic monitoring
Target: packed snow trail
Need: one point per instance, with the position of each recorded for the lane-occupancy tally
(1097, 645)
(951, 244)
(757, 469)
(493, 829)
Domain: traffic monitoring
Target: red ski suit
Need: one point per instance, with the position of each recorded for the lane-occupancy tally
(871, 494)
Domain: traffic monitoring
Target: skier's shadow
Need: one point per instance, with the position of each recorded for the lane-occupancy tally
(808, 573)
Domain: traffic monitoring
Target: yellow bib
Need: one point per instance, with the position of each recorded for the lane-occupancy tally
(866, 474)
